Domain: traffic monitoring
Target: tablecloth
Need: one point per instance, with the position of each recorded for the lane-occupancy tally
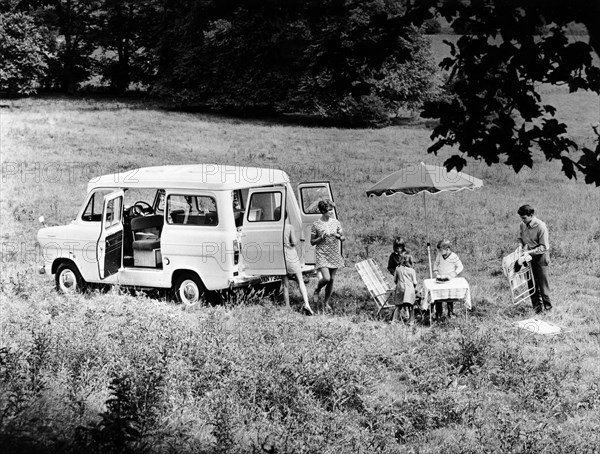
(457, 288)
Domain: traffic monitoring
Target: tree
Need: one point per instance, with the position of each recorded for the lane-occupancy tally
(125, 35)
(494, 110)
(25, 51)
(77, 22)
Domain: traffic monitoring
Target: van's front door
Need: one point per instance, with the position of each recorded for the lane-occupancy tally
(309, 196)
(262, 233)
(109, 249)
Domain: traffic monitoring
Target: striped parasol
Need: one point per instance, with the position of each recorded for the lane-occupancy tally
(413, 179)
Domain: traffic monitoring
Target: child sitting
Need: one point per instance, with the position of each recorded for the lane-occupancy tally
(405, 278)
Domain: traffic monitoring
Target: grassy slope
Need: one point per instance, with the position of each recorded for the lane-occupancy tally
(267, 376)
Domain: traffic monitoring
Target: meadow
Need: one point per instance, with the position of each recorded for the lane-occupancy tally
(119, 372)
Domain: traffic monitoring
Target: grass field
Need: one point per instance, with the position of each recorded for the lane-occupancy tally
(116, 372)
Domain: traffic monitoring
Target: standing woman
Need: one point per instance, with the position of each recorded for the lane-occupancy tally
(292, 264)
(325, 234)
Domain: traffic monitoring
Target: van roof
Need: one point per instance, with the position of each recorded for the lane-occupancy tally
(193, 176)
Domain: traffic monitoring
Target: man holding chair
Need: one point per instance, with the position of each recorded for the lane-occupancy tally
(533, 237)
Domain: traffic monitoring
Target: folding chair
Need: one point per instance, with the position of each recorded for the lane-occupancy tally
(520, 277)
(380, 289)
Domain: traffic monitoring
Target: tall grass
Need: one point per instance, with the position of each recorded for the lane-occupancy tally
(121, 372)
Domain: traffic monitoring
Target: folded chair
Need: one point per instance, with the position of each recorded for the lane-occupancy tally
(520, 277)
(380, 289)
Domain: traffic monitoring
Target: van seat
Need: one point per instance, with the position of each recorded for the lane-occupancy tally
(146, 231)
(148, 223)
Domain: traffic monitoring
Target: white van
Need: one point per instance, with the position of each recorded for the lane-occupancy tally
(192, 228)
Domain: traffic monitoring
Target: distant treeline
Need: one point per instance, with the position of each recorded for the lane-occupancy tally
(359, 61)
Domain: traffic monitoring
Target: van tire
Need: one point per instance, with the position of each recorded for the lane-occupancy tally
(68, 279)
(189, 289)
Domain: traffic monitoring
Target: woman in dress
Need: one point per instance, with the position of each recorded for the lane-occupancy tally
(292, 264)
(326, 234)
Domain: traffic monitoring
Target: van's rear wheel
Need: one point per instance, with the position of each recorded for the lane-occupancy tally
(189, 289)
(68, 279)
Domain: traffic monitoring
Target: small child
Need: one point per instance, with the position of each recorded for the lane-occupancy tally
(447, 266)
(399, 247)
(405, 278)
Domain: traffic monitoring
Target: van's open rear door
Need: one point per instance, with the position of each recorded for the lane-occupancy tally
(309, 196)
(262, 233)
(109, 250)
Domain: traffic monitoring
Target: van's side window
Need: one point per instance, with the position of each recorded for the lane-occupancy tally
(160, 201)
(192, 210)
(311, 196)
(264, 206)
(93, 210)
(114, 212)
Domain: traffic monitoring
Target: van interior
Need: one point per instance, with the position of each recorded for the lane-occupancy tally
(147, 210)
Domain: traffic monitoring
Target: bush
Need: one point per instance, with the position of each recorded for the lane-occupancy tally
(25, 52)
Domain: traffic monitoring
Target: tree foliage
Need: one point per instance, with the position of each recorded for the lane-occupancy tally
(332, 57)
(25, 53)
(495, 110)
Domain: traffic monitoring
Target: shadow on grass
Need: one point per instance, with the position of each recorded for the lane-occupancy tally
(106, 101)
(267, 116)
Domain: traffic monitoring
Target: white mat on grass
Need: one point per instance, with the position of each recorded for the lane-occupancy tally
(539, 326)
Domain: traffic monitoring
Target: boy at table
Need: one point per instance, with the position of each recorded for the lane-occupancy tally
(447, 265)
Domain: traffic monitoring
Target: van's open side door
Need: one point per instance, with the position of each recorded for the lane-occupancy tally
(109, 249)
(309, 196)
(262, 233)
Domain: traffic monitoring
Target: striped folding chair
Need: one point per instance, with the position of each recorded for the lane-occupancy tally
(380, 289)
(520, 277)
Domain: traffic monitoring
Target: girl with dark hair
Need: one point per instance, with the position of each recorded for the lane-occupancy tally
(399, 247)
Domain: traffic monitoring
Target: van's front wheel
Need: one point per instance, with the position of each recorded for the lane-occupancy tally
(68, 279)
(189, 289)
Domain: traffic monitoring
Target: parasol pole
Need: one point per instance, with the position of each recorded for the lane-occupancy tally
(427, 236)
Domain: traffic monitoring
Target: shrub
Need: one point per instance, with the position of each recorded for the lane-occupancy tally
(25, 51)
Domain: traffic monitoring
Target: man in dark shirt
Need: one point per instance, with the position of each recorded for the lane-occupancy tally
(533, 237)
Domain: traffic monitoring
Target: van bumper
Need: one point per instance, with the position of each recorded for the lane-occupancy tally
(308, 271)
(252, 280)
